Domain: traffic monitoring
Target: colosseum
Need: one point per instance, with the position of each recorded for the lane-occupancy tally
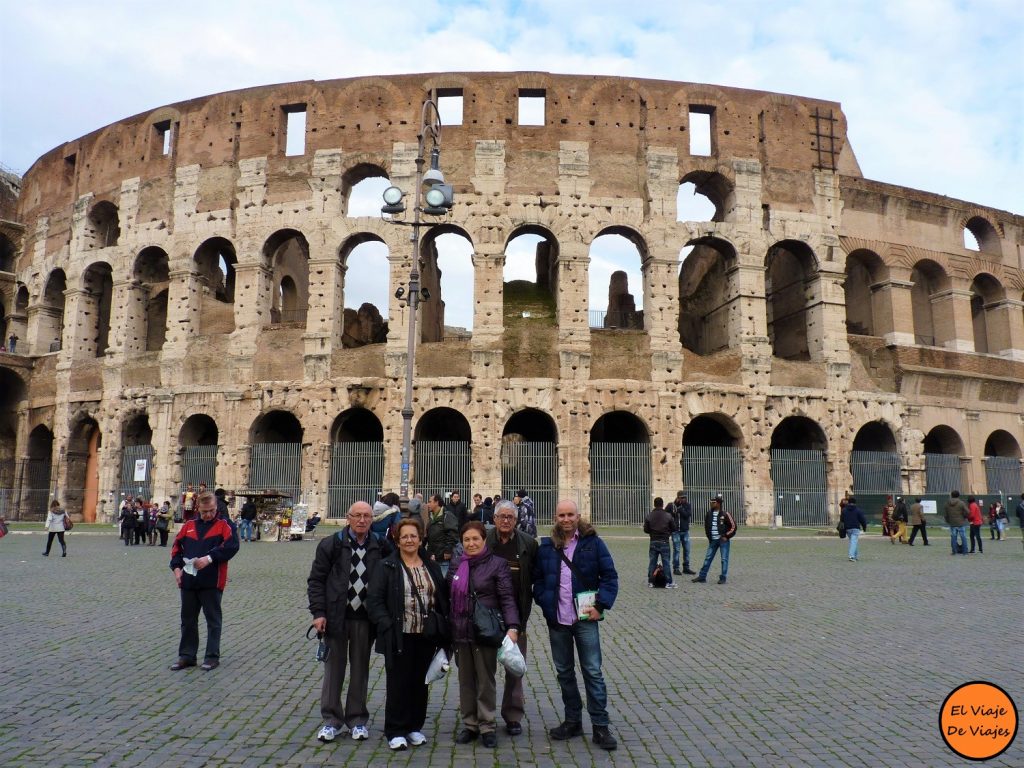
(175, 287)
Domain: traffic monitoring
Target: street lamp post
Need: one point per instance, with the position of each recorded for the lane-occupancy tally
(438, 198)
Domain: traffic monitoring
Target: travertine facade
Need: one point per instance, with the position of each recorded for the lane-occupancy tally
(181, 265)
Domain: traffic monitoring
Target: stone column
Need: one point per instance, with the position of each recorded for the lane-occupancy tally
(324, 318)
(573, 323)
(661, 279)
(892, 311)
(748, 318)
(80, 309)
(488, 308)
(253, 289)
(165, 446)
(1004, 320)
(184, 302)
(951, 318)
(128, 318)
(44, 325)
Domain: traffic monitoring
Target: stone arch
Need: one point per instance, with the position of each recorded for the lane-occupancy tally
(275, 426)
(361, 188)
(718, 193)
(198, 443)
(3, 324)
(21, 299)
(799, 472)
(712, 463)
(530, 425)
(864, 268)
(529, 459)
(215, 262)
(620, 468)
(990, 326)
(799, 433)
(357, 460)
(365, 284)
(451, 299)
(943, 439)
(943, 460)
(790, 266)
(980, 235)
(286, 253)
(147, 316)
(83, 462)
(94, 309)
(704, 295)
(443, 459)
(932, 323)
(712, 429)
(530, 282)
(103, 227)
(1002, 443)
(199, 429)
(443, 424)
(621, 246)
(1002, 463)
(51, 313)
(875, 436)
(7, 254)
(275, 453)
(875, 464)
(12, 392)
(37, 475)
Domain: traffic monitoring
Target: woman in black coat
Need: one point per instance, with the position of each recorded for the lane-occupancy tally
(477, 574)
(397, 610)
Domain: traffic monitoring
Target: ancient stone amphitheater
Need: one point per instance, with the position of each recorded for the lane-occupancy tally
(177, 284)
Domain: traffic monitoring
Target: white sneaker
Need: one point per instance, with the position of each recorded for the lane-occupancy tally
(673, 585)
(416, 738)
(327, 733)
(398, 743)
(360, 732)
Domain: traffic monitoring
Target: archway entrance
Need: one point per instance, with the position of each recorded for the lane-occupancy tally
(1002, 463)
(529, 460)
(799, 473)
(875, 466)
(442, 460)
(275, 454)
(943, 470)
(137, 457)
(620, 469)
(713, 463)
(357, 460)
(38, 473)
(198, 440)
(83, 471)
(12, 390)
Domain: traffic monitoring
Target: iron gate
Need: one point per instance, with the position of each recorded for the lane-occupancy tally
(1002, 475)
(620, 483)
(533, 467)
(357, 474)
(35, 487)
(942, 473)
(131, 454)
(276, 466)
(443, 465)
(199, 465)
(711, 469)
(799, 481)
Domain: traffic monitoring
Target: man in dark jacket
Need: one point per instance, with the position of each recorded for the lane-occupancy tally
(1020, 515)
(917, 520)
(199, 561)
(442, 532)
(853, 523)
(955, 514)
(128, 518)
(719, 527)
(660, 526)
(527, 512)
(574, 583)
(682, 513)
(520, 551)
(337, 588)
(457, 507)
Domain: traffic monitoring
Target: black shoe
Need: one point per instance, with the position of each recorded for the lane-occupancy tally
(466, 736)
(489, 739)
(182, 664)
(63, 554)
(513, 729)
(46, 554)
(566, 730)
(688, 572)
(603, 738)
(676, 572)
(699, 580)
(721, 579)
(210, 664)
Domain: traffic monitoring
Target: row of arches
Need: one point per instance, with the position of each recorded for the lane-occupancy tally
(707, 294)
(619, 455)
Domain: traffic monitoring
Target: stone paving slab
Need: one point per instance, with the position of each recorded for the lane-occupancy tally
(803, 659)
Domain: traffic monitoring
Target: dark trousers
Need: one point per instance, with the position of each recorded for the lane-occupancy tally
(191, 602)
(163, 536)
(352, 646)
(128, 534)
(924, 534)
(976, 537)
(513, 702)
(140, 535)
(60, 537)
(405, 709)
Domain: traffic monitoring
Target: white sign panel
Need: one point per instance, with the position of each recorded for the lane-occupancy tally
(929, 506)
(140, 470)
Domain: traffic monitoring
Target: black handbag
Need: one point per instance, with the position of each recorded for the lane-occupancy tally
(435, 623)
(488, 624)
(841, 530)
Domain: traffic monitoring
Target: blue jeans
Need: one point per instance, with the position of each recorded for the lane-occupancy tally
(958, 532)
(587, 639)
(713, 547)
(853, 534)
(681, 540)
(659, 549)
(245, 530)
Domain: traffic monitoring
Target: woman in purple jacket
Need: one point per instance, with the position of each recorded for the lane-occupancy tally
(478, 575)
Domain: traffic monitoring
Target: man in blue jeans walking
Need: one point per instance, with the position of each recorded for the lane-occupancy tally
(720, 528)
(574, 583)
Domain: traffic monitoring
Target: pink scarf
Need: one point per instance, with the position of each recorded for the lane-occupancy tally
(460, 583)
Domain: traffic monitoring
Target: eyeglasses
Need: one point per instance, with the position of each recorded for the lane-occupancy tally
(409, 537)
(504, 517)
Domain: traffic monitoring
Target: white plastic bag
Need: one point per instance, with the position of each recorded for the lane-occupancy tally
(511, 658)
(439, 666)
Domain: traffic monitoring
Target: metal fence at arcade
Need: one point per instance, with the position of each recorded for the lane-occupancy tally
(800, 487)
(442, 466)
(620, 483)
(137, 471)
(711, 469)
(357, 474)
(276, 466)
(199, 465)
(534, 468)
(1003, 475)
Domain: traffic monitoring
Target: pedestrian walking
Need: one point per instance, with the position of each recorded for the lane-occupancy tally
(918, 521)
(719, 527)
(901, 515)
(974, 518)
(128, 518)
(853, 522)
(955, 514)
(163, 522)
(56, 526)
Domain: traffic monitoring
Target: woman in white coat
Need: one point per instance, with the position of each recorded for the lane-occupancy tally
(55, 527)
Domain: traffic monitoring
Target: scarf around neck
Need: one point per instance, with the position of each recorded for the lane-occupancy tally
(460, 582)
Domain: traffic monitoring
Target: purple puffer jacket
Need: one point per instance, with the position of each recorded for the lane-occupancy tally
(492, 580)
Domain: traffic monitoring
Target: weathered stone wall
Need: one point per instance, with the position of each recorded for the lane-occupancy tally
(765, 317)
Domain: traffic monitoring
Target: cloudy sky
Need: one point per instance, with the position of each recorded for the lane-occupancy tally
(933, 90)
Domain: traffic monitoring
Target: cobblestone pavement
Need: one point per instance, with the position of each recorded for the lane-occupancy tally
(803, 659)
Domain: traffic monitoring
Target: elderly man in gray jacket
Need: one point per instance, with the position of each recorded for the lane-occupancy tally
(519, 549)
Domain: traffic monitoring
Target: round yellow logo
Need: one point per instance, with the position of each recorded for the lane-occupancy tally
(978, 720)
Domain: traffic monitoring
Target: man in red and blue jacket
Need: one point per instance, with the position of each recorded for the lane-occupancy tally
(199, 560)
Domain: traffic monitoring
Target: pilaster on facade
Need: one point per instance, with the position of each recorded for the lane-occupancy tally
(951, 310)
(892, 309)
(572, 313)
(184, 302)
(488, 311)
(1006, 328)
(489, 167)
